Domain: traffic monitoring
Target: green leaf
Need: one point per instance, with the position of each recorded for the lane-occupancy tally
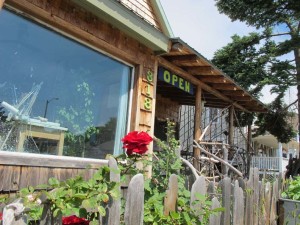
(101, 210)
(175, 215)
(80, 195)
(56, 212)
(53, 182)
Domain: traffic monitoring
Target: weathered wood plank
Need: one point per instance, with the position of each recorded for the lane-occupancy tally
(274, 199)
(242, 183)
(134, 209)
(255, 196)
(171, 195)
(7, 176)
(226, 200)
(215, 219)
(267, 204)
(211, 189)
(12, 214)
(1, 3)
(25, 159)
(113, 211)
(249, 200)
(48, 218)
(238, 205)
(199, 187)
(2, 174)
(262, 212)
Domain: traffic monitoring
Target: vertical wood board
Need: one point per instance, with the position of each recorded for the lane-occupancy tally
(134, 209)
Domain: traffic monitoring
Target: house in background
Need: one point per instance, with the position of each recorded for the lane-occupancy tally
(271, 156)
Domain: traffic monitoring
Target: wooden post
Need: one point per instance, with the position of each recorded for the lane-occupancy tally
(249, 147)
(230, 126)
(1, 3)
(197, 135)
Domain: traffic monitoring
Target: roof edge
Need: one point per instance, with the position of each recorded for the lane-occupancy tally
(164, 22)
(122, 18)
(179, 40)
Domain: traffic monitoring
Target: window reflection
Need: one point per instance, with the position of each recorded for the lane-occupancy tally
(58, 96)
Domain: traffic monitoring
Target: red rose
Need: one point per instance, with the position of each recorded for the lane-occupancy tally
(1, 216)
(74, 220)
(136, 142)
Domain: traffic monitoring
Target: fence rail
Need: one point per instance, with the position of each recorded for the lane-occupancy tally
(266, 163)
(249, 202)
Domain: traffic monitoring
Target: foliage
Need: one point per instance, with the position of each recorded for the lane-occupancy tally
(293, 189)
(259, 58)
(165, 163)
(79, 120)
(75, 196)
(88, 199)
(276, 122)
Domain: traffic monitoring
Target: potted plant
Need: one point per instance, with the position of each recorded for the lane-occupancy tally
(289, 204)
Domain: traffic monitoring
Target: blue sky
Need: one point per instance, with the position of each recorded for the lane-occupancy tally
(199, 24)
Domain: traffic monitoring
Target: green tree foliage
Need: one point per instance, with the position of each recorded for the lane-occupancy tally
(276, 122)
(259, 58)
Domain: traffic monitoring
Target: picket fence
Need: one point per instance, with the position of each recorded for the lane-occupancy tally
(246, 202)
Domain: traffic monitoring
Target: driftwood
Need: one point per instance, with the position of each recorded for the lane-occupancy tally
(219, 159)
(192, 168)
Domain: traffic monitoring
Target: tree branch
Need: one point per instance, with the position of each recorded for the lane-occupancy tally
(290, 105)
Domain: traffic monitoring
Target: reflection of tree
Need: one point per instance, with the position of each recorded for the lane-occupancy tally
(107, 132)
(79, 121)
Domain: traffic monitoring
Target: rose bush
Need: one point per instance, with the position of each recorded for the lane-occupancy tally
(136, 142)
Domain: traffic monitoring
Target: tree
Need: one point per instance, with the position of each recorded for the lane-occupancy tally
(260, 58)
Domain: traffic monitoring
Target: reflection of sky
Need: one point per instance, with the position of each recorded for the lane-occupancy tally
(31, 55)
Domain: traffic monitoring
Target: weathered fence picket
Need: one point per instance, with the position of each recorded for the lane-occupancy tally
(199, 187)
(113, 211)
(248, 202)
(171, 195)
(238, 205)
(226, 200)
(134, 210)
(215, 219)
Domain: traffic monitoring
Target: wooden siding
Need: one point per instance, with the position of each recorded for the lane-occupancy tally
(144, 9)
(19, 170)
(77, 23)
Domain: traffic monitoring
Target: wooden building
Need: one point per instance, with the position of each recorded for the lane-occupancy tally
(77, 75)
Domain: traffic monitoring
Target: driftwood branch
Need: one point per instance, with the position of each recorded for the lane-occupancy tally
(219, 159)
(192, 168)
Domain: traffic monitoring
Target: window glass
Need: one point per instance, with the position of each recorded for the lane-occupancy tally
(58, 96)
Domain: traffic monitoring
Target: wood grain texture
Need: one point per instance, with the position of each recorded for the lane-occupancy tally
(1, 3)
(171, 195)
(113, 211)
(226, 200)
(238, 205)
(199, 187)
(215, 219)
(134, 210)
(249, 200)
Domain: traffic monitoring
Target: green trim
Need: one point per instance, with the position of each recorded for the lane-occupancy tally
(160, 13)
(121, 17)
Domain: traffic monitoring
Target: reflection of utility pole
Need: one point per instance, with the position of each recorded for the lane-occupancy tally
(47, 102)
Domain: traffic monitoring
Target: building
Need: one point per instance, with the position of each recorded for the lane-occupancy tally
(77, 75)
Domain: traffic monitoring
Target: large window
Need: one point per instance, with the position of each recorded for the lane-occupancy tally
(58, 96)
